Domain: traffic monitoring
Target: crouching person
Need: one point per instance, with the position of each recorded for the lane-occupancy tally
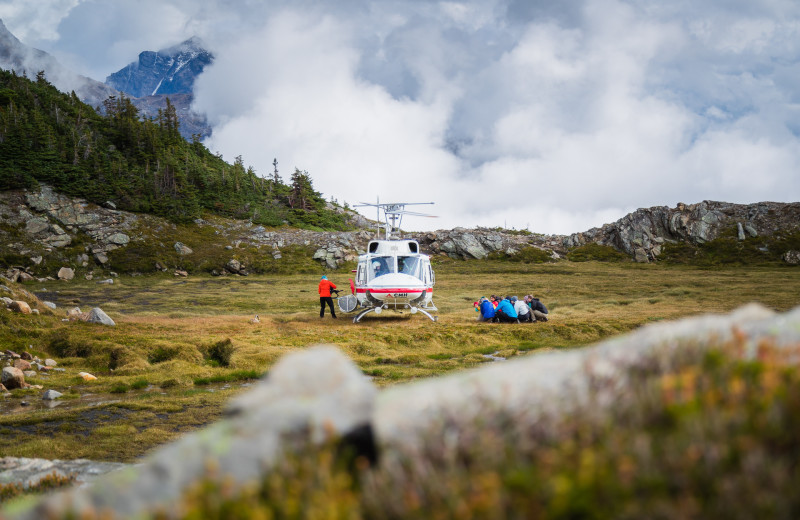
(505, 312)
(538, 310)
(486, 310)
(524, 314)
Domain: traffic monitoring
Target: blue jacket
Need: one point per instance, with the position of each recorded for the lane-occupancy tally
(507, 308)
(487, 309)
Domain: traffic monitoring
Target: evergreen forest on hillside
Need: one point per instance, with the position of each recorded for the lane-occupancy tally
(142, 165)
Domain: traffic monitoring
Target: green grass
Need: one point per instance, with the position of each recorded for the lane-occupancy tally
(166, 328)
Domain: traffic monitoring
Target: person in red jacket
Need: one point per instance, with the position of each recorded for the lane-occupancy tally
(325, 288)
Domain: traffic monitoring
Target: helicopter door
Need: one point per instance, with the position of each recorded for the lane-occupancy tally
(361, 278)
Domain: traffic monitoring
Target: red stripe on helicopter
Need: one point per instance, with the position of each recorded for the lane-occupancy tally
(382, 291)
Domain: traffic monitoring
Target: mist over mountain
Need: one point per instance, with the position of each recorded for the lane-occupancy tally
(157, 75)
(16, 56)
(168, 71)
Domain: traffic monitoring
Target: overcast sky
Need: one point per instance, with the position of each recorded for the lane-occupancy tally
(556, 116)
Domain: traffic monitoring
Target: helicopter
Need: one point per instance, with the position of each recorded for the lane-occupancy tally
(392, 274)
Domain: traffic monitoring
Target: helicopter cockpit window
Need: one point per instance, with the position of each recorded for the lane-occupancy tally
(382, 265)
(408, 265)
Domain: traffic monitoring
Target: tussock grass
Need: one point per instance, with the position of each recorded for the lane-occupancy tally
(165, 327)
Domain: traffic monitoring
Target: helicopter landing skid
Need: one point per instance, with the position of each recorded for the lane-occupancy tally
(363, 313)
(426, 313)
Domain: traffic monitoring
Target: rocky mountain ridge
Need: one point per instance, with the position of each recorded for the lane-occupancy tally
(42, 224)
(168, 71)
(184, 61)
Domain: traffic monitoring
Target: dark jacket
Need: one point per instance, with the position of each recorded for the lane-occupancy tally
(538, 306)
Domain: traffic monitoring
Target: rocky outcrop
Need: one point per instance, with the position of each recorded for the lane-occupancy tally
(479, 243)
(52, 221)
(642, 233)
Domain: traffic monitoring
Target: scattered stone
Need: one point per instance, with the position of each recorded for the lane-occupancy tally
(108, 281)
(181, 273)
(66, 273)
(182, 249)
(233, 266)
(792, 257)
(110, 205)
(160, 267)
(118, 239)
(97, 315)
(3, 388)
(35, 311)
(24, 277)
(12, 354)
(50, 305)
(74, 312)
(20, 306)
(51, 395)
(101, 257)
(26, 356)
(86, 376)
(37, 259)
(88, 276)
(740, 231)
(50, 362)
(13, 378)
(29, 373)
(22, 364)
(6, 301)
(59, 370)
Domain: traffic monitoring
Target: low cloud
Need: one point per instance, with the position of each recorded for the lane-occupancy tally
(553, 116)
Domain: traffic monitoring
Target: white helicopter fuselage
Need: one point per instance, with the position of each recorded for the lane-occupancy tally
(394, 275)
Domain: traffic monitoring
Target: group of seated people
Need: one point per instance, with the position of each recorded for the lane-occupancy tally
(510, 309)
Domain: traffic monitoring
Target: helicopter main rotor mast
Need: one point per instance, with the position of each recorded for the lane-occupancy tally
(393, 211)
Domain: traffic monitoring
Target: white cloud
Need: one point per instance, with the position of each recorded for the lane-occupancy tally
(561, 116)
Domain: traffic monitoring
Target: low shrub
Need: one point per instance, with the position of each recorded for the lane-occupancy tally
(220, 353)
(47, 483)
(61, 344)
(526, 255)
(596, 252)
(161, 354)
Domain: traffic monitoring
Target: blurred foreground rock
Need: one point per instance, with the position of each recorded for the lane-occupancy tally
(319, 392)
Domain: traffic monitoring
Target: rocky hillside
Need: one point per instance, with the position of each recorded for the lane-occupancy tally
(643, 233)
(42, 231)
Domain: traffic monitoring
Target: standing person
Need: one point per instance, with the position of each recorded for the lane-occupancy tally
(325, 287)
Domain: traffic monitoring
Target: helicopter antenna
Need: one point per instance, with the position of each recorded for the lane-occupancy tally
(393, 215)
